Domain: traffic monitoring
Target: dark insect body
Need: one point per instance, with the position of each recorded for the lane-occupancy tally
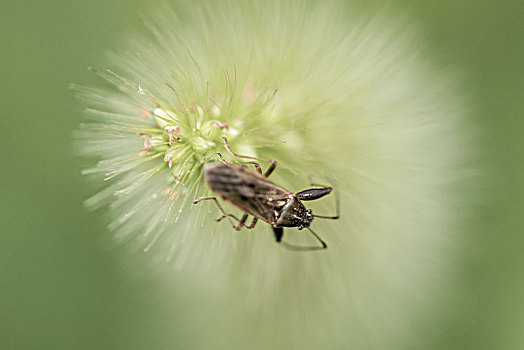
(255, 195)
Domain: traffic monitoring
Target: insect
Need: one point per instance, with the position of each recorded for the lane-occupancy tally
(255, 195)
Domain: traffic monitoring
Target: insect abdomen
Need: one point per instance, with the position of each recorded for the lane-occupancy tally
(246, 190)
(223, 179)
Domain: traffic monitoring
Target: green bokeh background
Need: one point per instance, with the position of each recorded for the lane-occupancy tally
(61, 286)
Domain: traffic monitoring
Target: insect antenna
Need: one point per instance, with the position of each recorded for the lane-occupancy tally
(302, 248)
(324, 245)
(337, 204)
(297, 248)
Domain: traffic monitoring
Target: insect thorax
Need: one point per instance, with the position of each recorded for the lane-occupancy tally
(295, 214)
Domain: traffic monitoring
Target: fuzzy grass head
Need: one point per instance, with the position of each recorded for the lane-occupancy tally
(324, 90)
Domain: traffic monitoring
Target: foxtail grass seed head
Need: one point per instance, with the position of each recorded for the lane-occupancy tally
(324, 89)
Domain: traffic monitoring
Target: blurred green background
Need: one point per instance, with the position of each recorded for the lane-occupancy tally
(61, 287)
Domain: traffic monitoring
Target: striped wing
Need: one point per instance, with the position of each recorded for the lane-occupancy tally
(247, 190)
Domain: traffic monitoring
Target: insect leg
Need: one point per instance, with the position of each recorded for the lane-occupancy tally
(241, 223)
(230, 217)
(268, 171)
(316, 193)
(324, 245)
(243, 220)
(253, 223)
(313, 193)
(222, 217)
(279, 232)
(337, 208)
(257, 166)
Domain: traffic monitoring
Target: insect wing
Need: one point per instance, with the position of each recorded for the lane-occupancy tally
(247, 190)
